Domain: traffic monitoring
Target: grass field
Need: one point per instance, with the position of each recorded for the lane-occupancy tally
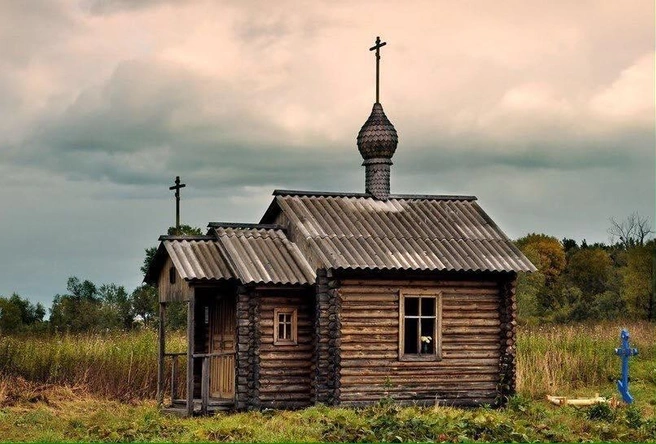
(100, 388)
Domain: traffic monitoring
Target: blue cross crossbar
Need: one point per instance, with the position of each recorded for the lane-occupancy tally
(625, 352)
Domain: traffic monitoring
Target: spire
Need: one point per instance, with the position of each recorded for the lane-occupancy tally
(377, 142)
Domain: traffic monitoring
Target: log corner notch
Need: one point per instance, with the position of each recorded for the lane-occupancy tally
(507, 360)
(247, 357)
(327, 353)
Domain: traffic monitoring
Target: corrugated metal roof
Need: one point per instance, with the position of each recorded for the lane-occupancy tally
(355, 232)
(250, 255)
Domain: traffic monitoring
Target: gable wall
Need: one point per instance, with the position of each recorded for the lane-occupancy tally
(469, 371)
(172, 292)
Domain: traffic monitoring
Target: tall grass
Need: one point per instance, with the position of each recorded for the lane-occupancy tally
(568, 359)
(557, 359)
(119, 365)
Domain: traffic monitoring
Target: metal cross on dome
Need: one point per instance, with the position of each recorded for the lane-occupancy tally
(377, 47)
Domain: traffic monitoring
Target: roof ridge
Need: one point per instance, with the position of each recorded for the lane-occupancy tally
(376, 236)
(182, 237)
(245, 226)
(369, 196)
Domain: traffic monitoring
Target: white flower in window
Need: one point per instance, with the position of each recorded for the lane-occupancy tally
(426, 339)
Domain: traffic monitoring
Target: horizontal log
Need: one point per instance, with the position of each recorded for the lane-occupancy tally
(352, 297)
(286, 356)
(428, 284)
(471, 337)
(407, 380)
(472, 322)
(446, 330)
(284, 387)
(357, 337)
(369, 346)
(275, 373)
(460, 354)
(348, 312)
(417, 389)
(370, 330)
(300, 347)
(470, 314)
(467, 394)
(279, 397)
(444, 372)
(452, 363)
(302, 339)
(283, 364)
(470, 346)
(366, 322)
(371, 354)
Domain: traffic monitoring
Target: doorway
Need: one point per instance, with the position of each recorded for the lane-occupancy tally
(222, 340)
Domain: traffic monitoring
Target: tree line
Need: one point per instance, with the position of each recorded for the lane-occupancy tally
(578, 282)
(574, 282)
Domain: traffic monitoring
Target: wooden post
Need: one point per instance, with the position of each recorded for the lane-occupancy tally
(191, 308)
(205, 385)
(174, 378)
(161, 351)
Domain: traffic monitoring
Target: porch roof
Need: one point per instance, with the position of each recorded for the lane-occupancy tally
(249, 253)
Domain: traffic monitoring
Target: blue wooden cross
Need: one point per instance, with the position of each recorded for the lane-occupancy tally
(625, 352)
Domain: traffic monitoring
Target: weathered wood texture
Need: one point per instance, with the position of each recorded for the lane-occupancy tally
(246, 357)
(328, 340)
(471, 326)
(285, 371)
(168, 292)
(507, 363)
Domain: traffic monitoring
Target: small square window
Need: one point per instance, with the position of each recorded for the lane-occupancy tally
(284, 326)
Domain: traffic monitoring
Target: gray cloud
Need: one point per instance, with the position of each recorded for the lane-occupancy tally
(545, 113)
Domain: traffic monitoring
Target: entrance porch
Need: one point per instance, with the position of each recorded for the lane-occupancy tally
(209, 364)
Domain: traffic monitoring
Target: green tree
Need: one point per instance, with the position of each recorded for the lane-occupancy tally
(537, 292)
(637, 281)
(145, 303)
(18, 314)
(117, 308)
(590, 269)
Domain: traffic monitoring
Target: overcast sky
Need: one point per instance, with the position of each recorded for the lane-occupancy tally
(544, 110)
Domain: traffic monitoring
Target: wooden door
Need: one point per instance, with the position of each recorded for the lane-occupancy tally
(222, 340)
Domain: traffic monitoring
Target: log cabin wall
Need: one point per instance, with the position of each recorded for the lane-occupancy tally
(475, 352)
(285, 370)
(247, 350)
(507, 363)
(327, 343)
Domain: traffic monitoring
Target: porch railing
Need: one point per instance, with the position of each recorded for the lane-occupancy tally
(175, 369)
(205, 377)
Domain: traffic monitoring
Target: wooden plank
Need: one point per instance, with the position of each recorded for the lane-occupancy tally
(471, 322)
(205, 386)
(161, 349)
(452, 363)
(443, 372)
(396, 284)
(191, 323)
(174, 377)
(403, 386)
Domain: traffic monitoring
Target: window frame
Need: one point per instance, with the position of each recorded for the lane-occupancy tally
(293, 330)
(437, 333)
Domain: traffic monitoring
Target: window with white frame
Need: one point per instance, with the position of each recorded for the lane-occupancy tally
(420, 319)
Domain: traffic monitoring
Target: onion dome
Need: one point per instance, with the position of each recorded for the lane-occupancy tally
(377, 137)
